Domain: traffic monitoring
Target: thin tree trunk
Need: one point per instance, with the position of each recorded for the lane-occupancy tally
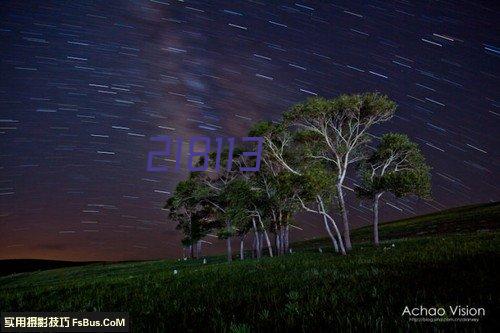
(228, 243)
(285, 245)
(268, 241)
(242, 248)
(278, 244)
(282, 242)
(256, 239)
(341, 244)
(282, 236)
(278, 235)
(287, 238)
(254, 248)
(375, 219)
(261, 243)
(345, 221)
(191, 251)
(339, 236)
(229, 251)
(332, 237)
(327, 227)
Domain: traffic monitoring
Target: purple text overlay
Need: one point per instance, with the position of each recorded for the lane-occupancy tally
(206, 142)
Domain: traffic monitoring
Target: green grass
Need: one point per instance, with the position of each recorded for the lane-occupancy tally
(305, 291)
(466, 219)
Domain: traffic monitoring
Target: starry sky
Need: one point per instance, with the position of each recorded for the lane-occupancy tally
(85, 84)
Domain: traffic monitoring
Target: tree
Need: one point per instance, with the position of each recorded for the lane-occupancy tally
(263, 205)
(295, 179)
(213, 182)
(342, 123)
(317, 186)
(318, 183)
(274, 181)
(228, 198)
(239, 198)
(396, 166)
(185, 208)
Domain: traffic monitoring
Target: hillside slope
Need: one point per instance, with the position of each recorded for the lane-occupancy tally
(448, 265)
(465, 219)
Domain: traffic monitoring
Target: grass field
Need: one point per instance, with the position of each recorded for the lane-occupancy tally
(453, 261)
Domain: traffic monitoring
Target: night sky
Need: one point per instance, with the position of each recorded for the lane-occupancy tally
(84, 85)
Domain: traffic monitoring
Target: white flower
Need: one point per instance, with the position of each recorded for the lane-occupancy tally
(175, 271)
(204, 260)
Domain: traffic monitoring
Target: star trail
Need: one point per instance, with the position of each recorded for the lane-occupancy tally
(86, 84)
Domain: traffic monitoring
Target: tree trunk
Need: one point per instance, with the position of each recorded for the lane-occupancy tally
(345, 221)
(332, 237)
(281, 240)
(277, 242)
(254, 248)
(256, 239)
(261, 243)
(242, 248)
(268, 241)
(287, 239)
(341, 244)
(191, 251)
(375, 219)
(283, 245)
(228, 242)
(339, 236)
(229, 251)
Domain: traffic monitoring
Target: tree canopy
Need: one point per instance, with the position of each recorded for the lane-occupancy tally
(304, 163)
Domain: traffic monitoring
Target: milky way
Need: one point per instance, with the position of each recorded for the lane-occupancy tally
(85, 85)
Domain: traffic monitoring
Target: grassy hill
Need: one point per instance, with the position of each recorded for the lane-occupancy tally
(465, 219)
(11, 266)
(453, 261)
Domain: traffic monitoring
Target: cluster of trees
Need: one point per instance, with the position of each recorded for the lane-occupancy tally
(305, 160)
